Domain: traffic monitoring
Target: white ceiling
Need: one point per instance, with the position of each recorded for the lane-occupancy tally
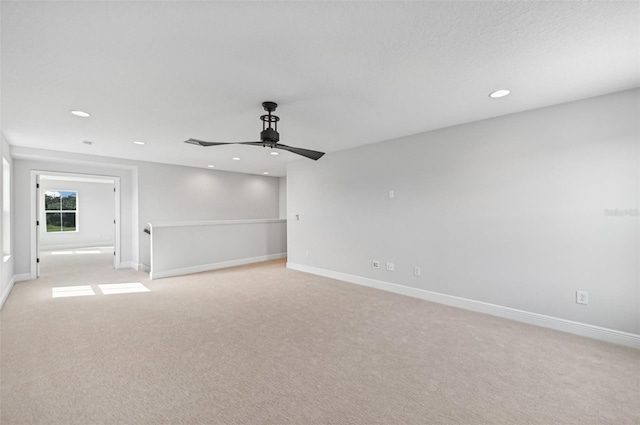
(345, 74)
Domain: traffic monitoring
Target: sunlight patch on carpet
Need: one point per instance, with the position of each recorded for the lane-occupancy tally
(122, 288)
(72, 291)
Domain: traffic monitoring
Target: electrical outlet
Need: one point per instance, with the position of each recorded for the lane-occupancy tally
(375, 264)
(392, 194)
(390, 267)
(416, 271)
(582, 297)
(307, 254)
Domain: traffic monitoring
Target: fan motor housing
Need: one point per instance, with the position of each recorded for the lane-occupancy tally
(269, 135)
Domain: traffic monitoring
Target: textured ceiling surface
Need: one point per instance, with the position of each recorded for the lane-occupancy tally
(345, 74)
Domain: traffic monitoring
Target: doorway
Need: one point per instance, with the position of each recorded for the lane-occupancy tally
(76, 222)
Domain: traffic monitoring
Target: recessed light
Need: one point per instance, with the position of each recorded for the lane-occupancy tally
(499, 93)
(87, 142)
(235, 158)
(82, 114)
(139, 143)
(274, 153)
(211, 166)
(265, 173)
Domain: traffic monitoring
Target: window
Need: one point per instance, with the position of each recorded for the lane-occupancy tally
(60, 209)
(6, 209)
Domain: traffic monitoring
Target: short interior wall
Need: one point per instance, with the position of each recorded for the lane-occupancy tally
(192, 247)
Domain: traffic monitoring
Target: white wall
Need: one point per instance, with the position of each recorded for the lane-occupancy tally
(6, 266)
(282, 196)
(95, 215)
(508, 211)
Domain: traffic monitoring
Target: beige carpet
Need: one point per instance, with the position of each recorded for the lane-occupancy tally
(261, 344)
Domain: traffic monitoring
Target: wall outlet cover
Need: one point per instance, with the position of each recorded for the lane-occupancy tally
(375, 264)
(582, 297)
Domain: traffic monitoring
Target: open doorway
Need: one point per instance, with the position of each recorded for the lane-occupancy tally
(77, 223)
(62, 264)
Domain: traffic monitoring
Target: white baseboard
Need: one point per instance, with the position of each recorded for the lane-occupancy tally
(127, 265)
(215, 266)
(24, 276)
(576, 328)
(6, 292)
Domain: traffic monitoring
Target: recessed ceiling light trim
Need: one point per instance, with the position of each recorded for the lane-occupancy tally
(235, 158)
(137, 142)
(499, 93)
(79, 113)
(211, 166)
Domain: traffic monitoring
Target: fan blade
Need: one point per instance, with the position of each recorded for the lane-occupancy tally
(315, 155)
(201, 143)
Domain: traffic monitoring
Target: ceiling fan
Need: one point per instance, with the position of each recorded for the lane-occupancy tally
(269, 136)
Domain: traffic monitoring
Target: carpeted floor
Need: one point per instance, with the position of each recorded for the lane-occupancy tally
(261, 344)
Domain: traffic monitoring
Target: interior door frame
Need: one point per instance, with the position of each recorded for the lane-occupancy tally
(36, 214)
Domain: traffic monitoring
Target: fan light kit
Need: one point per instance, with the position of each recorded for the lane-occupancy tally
(269, 136)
